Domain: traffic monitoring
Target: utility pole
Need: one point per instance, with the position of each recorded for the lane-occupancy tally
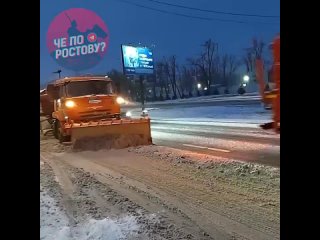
(141, 78)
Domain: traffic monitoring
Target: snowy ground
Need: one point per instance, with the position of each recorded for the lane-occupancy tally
(85, 209)
(154, 192)
(55, 225)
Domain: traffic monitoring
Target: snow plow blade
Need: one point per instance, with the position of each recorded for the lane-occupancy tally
(110, 134)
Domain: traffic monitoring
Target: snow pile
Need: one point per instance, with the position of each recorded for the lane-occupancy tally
(54, 225)
(107, 229)
(223, 166)
(53, 222)
(177, 155)
(52, 145)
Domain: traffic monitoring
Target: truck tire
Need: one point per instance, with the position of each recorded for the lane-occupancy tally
(58, 133)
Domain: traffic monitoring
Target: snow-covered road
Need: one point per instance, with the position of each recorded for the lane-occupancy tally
(232, 131)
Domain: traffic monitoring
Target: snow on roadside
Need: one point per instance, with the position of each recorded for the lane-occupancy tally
(54, 225)
(225, 166)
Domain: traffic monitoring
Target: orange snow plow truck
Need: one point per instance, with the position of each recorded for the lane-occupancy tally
(271, 97)
(86, 111)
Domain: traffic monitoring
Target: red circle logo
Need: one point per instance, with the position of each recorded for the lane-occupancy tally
(77, 39)
(92, 37)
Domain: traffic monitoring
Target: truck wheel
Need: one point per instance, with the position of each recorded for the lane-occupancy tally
(60, 136)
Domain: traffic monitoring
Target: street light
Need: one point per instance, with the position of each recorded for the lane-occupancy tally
(199, 87)
(205, 88)
(246, 78)
(59, 72)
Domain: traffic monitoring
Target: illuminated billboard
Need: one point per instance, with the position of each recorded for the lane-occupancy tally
(137, 60)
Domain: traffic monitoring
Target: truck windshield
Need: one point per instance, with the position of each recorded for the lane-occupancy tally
(82, 88)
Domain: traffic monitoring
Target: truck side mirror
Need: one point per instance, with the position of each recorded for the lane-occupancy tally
(53, 91)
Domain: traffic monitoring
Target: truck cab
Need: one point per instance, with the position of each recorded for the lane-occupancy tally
(81, 99)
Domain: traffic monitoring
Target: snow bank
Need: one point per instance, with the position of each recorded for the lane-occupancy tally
(107, 229)
(53, 222)
(225, 166)
(54, 225)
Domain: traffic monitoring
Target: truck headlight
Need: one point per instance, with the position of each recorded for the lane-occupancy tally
(120, 100)
(70, 104)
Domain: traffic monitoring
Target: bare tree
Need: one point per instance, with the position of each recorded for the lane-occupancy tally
(199, 68)
(170, 67)
(187, 79)
(224, 65)
(163, 81)
(229, 65)
(233, 65)
(253, 53)
(206, 62)
(180, 86)
(257, 47)
(248, 60)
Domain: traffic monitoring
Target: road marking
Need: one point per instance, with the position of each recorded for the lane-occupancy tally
(209, 148)
(189, 145)
(219, 150)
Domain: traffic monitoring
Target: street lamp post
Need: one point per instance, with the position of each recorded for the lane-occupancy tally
(246, 78)
(244, 83)
(198, 88)
(59, 72)
(141, 79)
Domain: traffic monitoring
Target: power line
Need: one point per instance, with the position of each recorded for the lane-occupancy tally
(191, 16)
(214, 11)
(163, 11)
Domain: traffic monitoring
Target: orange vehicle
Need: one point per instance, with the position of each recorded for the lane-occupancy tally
(271, 97)
(86, 106)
